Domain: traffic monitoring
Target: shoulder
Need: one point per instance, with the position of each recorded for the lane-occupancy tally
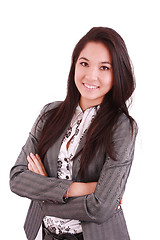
(124, 137)
(41, 119)
(50, 106)
(46, 109)
(125, 122)
(125, 126)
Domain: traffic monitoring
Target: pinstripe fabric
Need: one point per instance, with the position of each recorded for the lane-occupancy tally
(116, 228)
(113, 229)
(100, 219)
(34, 218)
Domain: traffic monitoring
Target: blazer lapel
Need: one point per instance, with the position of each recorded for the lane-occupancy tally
(76, 161)
(52, 155)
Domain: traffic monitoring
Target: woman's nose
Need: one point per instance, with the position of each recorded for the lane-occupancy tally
(92, 74)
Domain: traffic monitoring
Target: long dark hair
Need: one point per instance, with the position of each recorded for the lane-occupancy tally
(101, 130)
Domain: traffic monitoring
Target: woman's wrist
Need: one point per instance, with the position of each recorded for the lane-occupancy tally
(78, 189)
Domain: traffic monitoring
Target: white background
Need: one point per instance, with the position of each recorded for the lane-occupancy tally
(36, 43)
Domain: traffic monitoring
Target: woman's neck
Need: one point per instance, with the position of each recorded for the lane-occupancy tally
(87, 104)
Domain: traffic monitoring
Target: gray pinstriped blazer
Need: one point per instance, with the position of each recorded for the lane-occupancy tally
(97, 211)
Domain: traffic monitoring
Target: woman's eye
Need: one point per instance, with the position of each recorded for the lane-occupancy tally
(84, 64)
(104, 68)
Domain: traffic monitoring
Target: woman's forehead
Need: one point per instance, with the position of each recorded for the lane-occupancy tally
(96, 51)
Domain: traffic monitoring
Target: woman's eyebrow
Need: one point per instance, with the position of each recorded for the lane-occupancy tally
(84, 59)
(104, 62)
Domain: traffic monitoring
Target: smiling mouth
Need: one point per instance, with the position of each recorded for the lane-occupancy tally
(89, 86)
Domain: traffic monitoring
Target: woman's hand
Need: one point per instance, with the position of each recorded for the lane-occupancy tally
(35, 164)
(78, 189)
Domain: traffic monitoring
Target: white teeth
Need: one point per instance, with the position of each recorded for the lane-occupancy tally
(90, 86)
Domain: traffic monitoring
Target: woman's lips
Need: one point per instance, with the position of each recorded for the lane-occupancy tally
(90, 86)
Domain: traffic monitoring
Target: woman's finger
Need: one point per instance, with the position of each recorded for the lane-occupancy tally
(38, 157)
(37, 161)
(32, 165)
(42, 166)
(40, 161)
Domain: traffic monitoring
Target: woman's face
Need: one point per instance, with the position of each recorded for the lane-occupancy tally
(93, 74)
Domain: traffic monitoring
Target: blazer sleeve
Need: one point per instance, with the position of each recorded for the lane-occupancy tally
(101, 205)
(31, 185)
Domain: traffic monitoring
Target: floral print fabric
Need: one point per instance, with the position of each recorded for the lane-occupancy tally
(78, 127)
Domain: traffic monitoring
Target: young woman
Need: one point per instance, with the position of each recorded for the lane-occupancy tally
(76, 161)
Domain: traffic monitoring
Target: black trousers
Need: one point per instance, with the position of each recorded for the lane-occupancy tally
(47, 235)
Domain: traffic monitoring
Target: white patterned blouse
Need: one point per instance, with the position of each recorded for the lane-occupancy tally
(79, 125)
